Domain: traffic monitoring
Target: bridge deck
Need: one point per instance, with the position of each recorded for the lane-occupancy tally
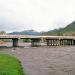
(31, 36)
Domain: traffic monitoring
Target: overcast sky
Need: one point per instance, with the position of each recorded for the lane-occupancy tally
(40, 15)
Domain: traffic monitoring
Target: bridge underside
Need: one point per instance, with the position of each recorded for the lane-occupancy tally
(60, 42)
(15, 42)
(49, 42)
(35, 42)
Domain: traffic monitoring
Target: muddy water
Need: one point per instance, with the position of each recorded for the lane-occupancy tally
(10, 44)
(45, 60)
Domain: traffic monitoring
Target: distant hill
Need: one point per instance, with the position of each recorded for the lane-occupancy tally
(25, 32)
(68, 30)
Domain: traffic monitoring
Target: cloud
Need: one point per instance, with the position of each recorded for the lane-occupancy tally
(40, 15)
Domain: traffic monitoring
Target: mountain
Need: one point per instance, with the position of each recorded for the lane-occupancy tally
(25, 32)
(68, 30)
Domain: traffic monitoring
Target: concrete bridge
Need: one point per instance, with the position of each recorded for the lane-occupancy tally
(36, 40)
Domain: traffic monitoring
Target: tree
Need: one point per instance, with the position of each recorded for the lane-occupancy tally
(2, 32)
(26, 40)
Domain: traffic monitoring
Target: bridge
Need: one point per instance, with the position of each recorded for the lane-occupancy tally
(36, 40)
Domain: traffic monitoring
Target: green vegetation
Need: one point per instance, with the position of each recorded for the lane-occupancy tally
(26, 40)
(10, 65)
(2, 32)
(56, 32)
(68, 30)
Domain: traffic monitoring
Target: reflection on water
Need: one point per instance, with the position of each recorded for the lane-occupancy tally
(6, 44)
(9, 44)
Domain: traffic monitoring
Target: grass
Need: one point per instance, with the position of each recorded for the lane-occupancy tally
(10, 65)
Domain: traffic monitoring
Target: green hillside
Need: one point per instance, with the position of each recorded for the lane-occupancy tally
(68, 30)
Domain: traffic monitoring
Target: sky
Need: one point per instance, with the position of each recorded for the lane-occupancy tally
(39, 15)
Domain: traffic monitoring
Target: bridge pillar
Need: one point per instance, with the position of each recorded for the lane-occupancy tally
(35, 42)
(47, 40)
(69, 41)
(66, 42)
(52, 42)
(58, 42)
(73, 42)
(61, 42)
(15, 42)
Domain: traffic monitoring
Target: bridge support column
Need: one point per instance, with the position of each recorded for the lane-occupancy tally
(66, 42)
(52, 42)
(47, 40)
(73, 42)
(58, 42)
(15, 42)
(70, 42)
(35, 42)
(63, 42)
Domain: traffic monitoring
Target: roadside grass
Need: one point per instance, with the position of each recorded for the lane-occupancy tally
(10, 65)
